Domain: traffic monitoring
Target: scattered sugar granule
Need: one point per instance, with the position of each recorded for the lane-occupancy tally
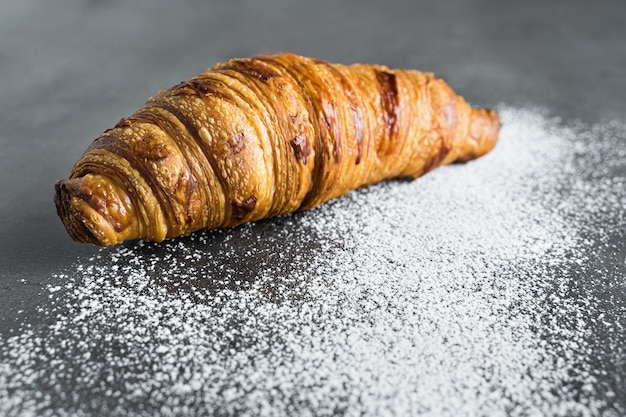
(494, 287)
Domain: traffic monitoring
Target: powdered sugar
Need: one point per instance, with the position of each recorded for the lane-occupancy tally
(493, 287)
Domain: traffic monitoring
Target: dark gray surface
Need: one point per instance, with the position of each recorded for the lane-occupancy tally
(70, 69)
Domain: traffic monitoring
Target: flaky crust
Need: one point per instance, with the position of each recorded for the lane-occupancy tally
(258, 137)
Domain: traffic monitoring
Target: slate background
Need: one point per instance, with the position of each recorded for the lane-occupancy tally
(71, 68)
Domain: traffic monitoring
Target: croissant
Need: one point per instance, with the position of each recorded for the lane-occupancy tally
(253, 138)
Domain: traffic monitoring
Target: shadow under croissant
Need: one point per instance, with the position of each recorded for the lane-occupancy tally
(270, 256)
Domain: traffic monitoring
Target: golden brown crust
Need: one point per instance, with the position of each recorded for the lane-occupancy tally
(257, 137)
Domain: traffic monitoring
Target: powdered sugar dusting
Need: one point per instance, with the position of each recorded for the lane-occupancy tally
(494, 287)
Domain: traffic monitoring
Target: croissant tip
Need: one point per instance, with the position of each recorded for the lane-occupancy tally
(484, 131)
(80, 223)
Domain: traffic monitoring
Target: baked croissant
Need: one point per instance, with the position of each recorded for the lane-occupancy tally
(253, 138)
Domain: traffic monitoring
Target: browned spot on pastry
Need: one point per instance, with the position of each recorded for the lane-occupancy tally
(203, 88)
(357, 115)
(353, 102)
(388, 89)
(207, 88)
(358, 128)
(191, 202)
(150, 149)
(329, 114)
(257, 68)
(301, 147)
(442, 151)
(157, 153)
(190, 189)
(238, 141)
(241, 210)
(124, 122)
